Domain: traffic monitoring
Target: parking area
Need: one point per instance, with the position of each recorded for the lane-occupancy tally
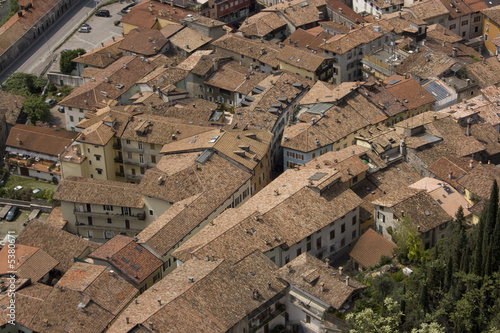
(17, 225)
(102, 31)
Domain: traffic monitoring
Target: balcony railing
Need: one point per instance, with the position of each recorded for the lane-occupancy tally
(135, 162)
(117, 145)
(255, 325)
(134, 149)
(119, 174)
(118, 159)
(106, 227)
(138, 216)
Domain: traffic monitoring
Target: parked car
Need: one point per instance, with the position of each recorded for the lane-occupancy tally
(126, 9)
(87, 26)
(35, 191)
(61, 109)
(84, 30)
(11, 215)
(103, 13)
(17, 188)
(50, 101)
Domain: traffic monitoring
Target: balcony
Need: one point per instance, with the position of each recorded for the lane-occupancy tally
(107, 227)
(117, 145)
(134, 177)
(135, 162)
(119, 174)
(133, 217)
(133, 149)
(118, 159)
(256, 323)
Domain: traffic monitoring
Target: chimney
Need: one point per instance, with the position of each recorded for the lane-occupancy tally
(340, 10)
(124, 65)
(327, 262)
(102, 44)
(150, 325)
(289, 269)
(127, 319)
(450, 175)
(136, 301)
(322, 287)
(471, 164)
(15, 102)
(111, 273)
(207, 258)
(159, 301)
(454, 52)
(191, 279)
(113, 38)
(347, 281)
(340, 270)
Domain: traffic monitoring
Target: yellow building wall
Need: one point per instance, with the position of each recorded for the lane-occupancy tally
(265, 170)
(105, 162)
(492, 32)
(299, 71)
(150, 280)
(74, 169)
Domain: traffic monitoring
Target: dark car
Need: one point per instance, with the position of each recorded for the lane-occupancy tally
(103, 13)
(60, 109)
(11, 215)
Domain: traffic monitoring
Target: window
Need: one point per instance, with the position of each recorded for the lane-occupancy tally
(109, 220)
(166, 264)
(353, 234)
(152, 145)
(354, 220)
(153, 158)
(485, 37)
(299, 251)
(342, 242)
(107, 207)
(318, 243)
(129, 155)
(81, 110)
(487, 27)
(151, 212)
(156, 277)
(465, 22)
(141, 158)
(90, 162)
(142, 289)
(308, 319)
(427, 234)
(139, 144)
(452, 26)
(99, 171)
(89, 220)
(127, 224)
(342, 228)
(71, 118)
(127, 142)
(477, 18)
(332, 234)
(97, 157)
(308, 248)
(381, 217)
(70, 108)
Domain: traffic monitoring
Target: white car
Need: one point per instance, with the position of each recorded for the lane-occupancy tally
(17, 188)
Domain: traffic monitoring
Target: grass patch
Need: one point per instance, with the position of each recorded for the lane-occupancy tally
(13, 181)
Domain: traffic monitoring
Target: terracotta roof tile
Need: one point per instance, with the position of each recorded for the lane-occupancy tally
(144, 41)
(189, 39)
(261, 24)
(147, 14)
(41, 140)
(200, 303)
(370, 247)
(59, 244)
(300, 58)
(131, 259)
(32, 263)
(102, 56)
(410, 93)
(99, 192)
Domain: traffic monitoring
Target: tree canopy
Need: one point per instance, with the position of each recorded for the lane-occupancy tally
(65, 63)
(24, 84)
(36, 109)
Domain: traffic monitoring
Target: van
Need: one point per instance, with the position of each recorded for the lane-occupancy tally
(103, 13)
(11, 215)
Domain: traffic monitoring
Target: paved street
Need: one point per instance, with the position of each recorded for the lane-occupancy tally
(43, 52)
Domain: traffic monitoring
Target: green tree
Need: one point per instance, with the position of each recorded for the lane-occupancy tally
(65, 63)
(489, 224)
(36, 109)
(369, 321)
(428, 328)
(409, 242)
(24, 84)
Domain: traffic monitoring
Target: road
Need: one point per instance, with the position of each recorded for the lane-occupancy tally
(42, 52)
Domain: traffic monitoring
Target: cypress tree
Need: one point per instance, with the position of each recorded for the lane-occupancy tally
(489, 225)
(449, 275)
(477, 257)
(494, 249)
(459, 238)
